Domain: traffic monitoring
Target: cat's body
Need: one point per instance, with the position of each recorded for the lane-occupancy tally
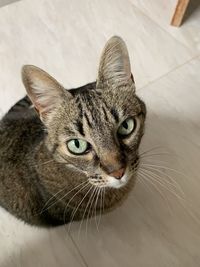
(44, 183)
(26, 166)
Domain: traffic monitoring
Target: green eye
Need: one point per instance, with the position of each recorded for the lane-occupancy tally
(126, 127)
(77, 146)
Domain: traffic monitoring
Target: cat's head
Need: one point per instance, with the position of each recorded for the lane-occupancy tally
(96, 129)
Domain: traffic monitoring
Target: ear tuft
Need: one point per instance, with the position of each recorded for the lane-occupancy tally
(43, 90)
(114, 63)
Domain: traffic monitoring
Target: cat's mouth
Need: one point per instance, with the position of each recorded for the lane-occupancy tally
(105, 180)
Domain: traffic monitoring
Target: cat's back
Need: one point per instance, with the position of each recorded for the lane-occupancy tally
(20, 130)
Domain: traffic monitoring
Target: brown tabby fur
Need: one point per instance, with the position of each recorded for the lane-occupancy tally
(37, 172)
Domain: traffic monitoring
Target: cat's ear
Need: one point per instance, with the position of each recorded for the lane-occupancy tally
(114, 65)
(43, 90)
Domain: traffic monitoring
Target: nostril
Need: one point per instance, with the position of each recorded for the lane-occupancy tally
(118, 174)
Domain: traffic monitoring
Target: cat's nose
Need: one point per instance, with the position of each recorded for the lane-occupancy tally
(118, 174)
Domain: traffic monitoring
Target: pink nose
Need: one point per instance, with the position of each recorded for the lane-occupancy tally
(118, 174)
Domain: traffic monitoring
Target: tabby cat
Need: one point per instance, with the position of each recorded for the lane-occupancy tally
(63, 151)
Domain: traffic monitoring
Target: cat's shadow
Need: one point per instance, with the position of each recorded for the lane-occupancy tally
(55, 248)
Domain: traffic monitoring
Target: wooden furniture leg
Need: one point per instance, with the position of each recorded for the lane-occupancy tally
(179, 12)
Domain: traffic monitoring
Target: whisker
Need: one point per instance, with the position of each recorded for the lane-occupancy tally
(98, 192)
(184, 204)
(159, 182)
(51, 205)
(46, 162)
(154, 178)
(165, 167)
(43, 163)
(144, 184)
(83, 187)
(104, 195)
(158, 154)
(88, 215)
(158, 190)
(173, 181)
(154, 160)
(75, 210)
(158, 168)
(151, 149)
(54, 196)
(94, 188)
(101, 205)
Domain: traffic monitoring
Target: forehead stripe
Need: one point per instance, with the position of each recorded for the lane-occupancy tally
(79, 127)
(87, 119)
(115, 114)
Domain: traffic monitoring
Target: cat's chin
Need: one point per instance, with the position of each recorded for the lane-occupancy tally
(118, 183)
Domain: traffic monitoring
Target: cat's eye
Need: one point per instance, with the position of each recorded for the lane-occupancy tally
(78, 146)
(127, 127)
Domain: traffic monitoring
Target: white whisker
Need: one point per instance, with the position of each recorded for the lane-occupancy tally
(172, 181)
(101, 206)
(62, 196)
(94, 188)
(88, 215)
(76, 209)
(151, 149)
(83, 187)
(158, 190)
(99, 190)
(164, 167)
(150, 176)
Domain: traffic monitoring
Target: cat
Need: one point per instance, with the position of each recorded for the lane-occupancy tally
(63, 151)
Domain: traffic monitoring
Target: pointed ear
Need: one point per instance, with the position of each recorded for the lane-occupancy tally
(43, 90)
(114, 65)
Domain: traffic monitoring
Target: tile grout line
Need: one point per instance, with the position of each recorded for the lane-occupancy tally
(167, 73)
(79, 251)
(175, 39)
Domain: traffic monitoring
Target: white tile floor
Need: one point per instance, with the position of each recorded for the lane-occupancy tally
(153, 228)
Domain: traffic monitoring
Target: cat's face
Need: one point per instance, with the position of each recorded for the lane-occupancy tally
(95, 129)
